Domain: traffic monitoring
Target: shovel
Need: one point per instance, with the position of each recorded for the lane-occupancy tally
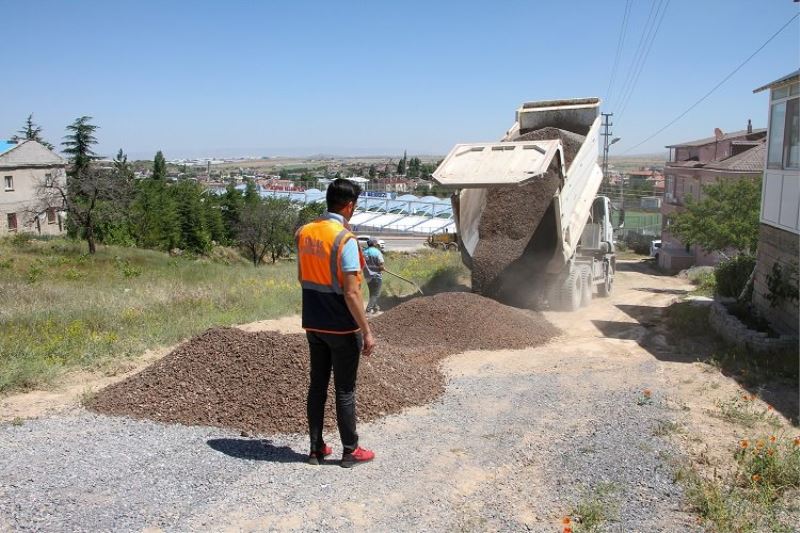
(406, 280)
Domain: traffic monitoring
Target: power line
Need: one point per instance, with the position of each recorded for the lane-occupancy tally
(639, 47)
(717, 86)
(620, 46)
(644, 59)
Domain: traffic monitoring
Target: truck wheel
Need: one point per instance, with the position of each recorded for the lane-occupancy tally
(571, 289)
(452, 246)
(604, 289)
(586, 291)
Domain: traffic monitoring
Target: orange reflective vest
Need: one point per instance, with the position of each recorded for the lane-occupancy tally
(319, 262)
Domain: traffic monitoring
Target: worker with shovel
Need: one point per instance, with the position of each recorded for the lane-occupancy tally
(329, 268)
(374, 273)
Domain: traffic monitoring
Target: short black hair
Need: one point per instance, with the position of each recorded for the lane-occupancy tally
(340, 192)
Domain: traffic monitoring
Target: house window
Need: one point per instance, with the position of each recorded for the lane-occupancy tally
(12, 222)
(784, 129)
(51, 215)
(8, 181)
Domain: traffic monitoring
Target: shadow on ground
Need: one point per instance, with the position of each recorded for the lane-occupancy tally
(677, 292)
(256, 450)
(681, 333)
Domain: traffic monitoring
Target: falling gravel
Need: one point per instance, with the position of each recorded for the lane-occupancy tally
(516, 235)
(257, 382)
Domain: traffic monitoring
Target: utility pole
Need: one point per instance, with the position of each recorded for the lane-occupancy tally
(606, 135)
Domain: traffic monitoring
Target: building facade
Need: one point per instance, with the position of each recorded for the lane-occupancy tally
(24, 166)
(694, 165)
(776, 276)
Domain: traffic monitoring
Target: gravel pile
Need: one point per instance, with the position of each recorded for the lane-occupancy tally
(512, 245)
(427, 329)
(257, 382)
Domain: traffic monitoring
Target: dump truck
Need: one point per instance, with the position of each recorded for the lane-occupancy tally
(532, 196)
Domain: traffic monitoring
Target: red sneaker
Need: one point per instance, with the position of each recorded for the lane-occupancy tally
(314, 457)
(357, 457)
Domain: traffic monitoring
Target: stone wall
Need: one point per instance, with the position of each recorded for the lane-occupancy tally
(783, 247)
(734, 332)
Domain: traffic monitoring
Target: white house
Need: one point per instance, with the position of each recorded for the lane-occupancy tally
(779, 236)
(23, 166)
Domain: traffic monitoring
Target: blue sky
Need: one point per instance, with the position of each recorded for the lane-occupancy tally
(358, 78)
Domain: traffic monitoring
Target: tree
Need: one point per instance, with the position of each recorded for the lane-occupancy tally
(309, 212)
(251, 195)
(154, 213)
(85, 187)
(213, 219)
(726, 218)
(266, 226)
(191, 217)
(401, 166)
(231, 205)
(32, 132)
(78, 144)
(114, 225)
(159, 167)
(372, 172)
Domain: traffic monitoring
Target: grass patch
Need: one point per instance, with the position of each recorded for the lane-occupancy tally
(757, 495)
(705, 283)
(65, 309)
(601, 505)
(433, 270)
(667, 427)
(742, 410)
(688, 318)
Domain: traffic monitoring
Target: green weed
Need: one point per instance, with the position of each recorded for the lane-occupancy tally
(753, 496)
(667, 427)
(35, 273)
(705, 283)
(597, 508)
(742, 410)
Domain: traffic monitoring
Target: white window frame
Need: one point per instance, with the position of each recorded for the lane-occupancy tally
(8, 183)
(792, 92)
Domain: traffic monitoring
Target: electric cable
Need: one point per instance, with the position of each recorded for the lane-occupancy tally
(717, 86)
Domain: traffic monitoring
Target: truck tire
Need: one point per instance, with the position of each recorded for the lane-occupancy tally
(571, 289)
(586, 290)
(452, 246)
(604, 289)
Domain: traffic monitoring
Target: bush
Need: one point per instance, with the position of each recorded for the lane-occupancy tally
(640, 244)
(732, 274)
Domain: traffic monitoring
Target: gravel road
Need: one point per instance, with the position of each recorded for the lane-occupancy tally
(516, 442)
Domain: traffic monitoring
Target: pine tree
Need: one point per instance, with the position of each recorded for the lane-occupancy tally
(213, 219)
(231, 205)
(251, 195)
(159, 167)
(191, 219)
(32, 132)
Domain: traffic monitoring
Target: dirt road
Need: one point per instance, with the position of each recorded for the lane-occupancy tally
(519, 440)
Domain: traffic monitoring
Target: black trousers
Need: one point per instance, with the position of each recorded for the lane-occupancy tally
(340, 353)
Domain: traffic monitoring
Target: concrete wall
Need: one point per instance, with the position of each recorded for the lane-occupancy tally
(783, 247)
(22, 199)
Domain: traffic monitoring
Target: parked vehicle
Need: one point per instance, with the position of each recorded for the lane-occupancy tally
(363, 239)
(655, 248)
(443, 241)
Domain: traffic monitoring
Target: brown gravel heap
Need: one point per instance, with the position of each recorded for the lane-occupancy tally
(509, 222)
(257, 382)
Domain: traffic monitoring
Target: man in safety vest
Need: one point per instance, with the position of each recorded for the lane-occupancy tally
(329, 268)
